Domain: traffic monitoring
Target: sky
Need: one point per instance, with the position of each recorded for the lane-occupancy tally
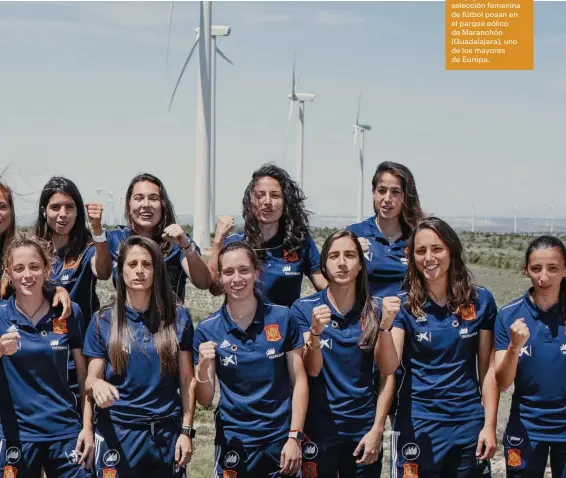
(84, 93)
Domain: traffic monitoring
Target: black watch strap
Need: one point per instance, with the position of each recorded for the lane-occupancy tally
(189, 431)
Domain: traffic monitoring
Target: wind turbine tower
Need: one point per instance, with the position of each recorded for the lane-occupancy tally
(360, 129)
(301, 98)
(515, 220)
(473, 218)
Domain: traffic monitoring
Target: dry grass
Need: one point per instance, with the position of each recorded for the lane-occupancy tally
(504, 284)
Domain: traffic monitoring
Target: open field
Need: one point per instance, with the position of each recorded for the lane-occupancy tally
(505, 283)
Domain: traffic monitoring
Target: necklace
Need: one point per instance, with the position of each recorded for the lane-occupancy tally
(30, 317)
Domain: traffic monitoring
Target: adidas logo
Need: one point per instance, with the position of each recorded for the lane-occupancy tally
(11, 329)
(225, 344)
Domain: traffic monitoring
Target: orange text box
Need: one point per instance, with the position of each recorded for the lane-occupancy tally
(489, 35)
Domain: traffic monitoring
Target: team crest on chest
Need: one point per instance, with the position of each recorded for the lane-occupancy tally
(468, 313)
(290, 256)
(229, 474)
(10, 472)
(309, 470)
(272, 333)
(59, 326)
(410, 470)
(514, 457)
(108, 473)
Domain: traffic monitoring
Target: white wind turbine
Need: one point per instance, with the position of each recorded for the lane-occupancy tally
(216, 31)
(514, 219)
(201, 216)
(473, 218)
(300, 98)
(111, 209)
(359, 130)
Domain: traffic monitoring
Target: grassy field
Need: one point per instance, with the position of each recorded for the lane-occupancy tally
(505, 282)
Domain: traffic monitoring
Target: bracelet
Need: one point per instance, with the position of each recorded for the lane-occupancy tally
(310, 346)
(316, 335)
(201, 381)
(386, 330)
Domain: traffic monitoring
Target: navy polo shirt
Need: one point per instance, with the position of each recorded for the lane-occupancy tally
(386, 263)
(79, 281)
(36, 402)
(251, 366)
(341, 398)
(282, 273)
(539, 399)
(173, 261)
(439, 379)
(145, 393)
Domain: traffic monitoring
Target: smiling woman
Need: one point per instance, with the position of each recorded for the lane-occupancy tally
(150, 213)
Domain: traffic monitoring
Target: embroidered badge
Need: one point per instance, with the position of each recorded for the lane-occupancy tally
(10, 472)
(514, 457)
(468, 313)
(59, 326)
(272, 333)
(108, 473)
(410, 470)
(290, 256)
(229, 474)
(309, 470)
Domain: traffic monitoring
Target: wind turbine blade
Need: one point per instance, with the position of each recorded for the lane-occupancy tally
(355, 138)
(287, 130)
(358, 115)
(169, 34)
(298, 79)
(183, 71)
(219, 51)
(293, 85)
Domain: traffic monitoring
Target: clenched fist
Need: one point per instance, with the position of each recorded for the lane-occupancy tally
(94, 214)
(207, 352)
(224, 226)
(519, 334)
(175, 234)
(9, 343)
(320, 318)
(364, 243)
(389, 310)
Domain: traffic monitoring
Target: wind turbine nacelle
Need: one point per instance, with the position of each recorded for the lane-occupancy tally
(218, 30)
(303, 96)
(367, 127)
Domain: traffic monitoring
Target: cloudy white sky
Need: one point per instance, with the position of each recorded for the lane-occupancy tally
(84, 92)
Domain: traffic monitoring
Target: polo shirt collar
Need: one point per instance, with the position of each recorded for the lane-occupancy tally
(17, 317)
(232, 327)
(354, 312)
(534, 309)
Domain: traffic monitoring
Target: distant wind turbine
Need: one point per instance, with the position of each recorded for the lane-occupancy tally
(360, 129)
(216, 31)
(473, 218)
(515, 220)
(300, 98)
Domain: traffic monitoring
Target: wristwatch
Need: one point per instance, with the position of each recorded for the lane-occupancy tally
(297, 435)
(189, 431)
(386, 330)
(101, 238)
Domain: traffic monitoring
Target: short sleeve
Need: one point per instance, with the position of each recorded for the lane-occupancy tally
(198, 338)
(294, 339)
(89, 254)
(488, 319)
(187, 332)
(300, 317)
(502, 339)
(74, 328)
(401, 320)
(312, 263)
(114, 239)
(95, 344)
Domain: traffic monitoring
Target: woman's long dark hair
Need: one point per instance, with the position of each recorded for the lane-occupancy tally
(460, 292)
(10, 232)
(167, 211)
(294, 222)
(550, 242)
(80, 235)
(369, 316)
(411, 212)
(161, 316)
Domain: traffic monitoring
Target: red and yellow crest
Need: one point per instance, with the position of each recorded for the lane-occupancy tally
(108, 473)
(60, 326)
(10, 472)
(290, 256)
(514, 457)
(468, 313)
(410, 470)
(229, 474)
(309, 470)
(272, 333)
(406, 251)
